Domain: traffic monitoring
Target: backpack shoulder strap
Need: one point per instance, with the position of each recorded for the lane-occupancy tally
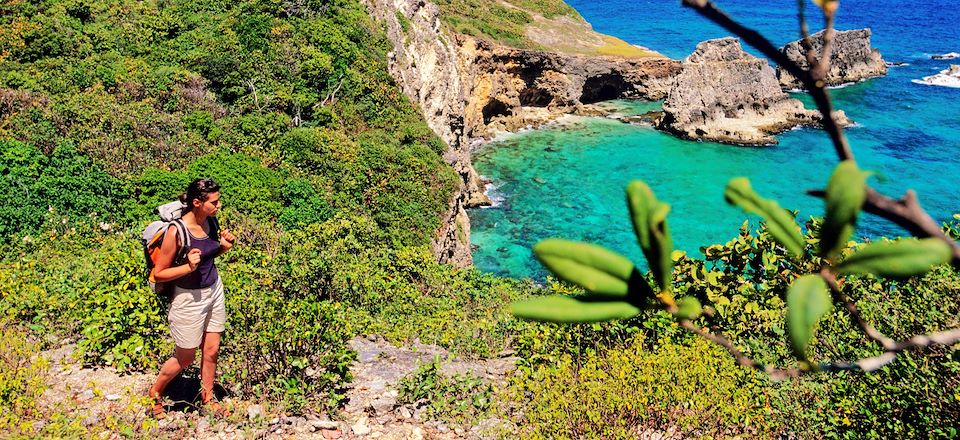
(214, 228)
(184, 242)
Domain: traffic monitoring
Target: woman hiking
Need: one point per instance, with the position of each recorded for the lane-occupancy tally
(197, 313)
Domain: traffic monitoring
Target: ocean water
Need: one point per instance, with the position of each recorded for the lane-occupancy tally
(568, 180)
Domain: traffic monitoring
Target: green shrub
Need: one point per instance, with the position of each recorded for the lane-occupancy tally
(407, 189)
(252, 134)
(456, 398)
(291, 350)
(151, 189)
(32, 183)
(744, 281)
(319, 151)
(694, 388)
(22, 381)
(123, 323)
(303, 205)
(246, 185)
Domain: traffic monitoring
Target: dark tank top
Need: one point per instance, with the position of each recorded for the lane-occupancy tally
(206, 273)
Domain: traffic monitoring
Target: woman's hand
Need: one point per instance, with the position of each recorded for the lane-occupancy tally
(193, 259)
(226, 240)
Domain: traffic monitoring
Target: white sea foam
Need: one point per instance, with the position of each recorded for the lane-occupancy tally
(949, 77)
(945, 56)
(842, 86)
(496, 197)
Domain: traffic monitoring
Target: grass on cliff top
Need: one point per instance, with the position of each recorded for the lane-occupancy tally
(550, 25)
(620, 48)
(501, 22)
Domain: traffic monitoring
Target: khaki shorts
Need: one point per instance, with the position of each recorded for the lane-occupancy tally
(195, 311)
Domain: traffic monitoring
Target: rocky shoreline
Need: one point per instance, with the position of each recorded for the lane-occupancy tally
(470, 90)
(949, 77)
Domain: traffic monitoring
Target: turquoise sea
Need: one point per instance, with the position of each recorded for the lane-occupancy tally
(567, 180)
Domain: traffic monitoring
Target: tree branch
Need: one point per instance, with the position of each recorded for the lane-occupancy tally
(854, 312)
(907, 214)
(773, 372)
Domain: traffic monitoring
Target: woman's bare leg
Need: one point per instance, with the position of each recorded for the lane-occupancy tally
(182, 358)
(210, 347)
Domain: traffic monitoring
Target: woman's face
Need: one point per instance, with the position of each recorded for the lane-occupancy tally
(208, 207)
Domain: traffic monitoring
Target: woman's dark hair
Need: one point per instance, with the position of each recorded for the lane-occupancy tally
(199, 189)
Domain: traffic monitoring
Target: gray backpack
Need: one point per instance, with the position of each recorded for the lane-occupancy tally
(153, 237)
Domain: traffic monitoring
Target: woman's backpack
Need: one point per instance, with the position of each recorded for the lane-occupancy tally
(152, 238)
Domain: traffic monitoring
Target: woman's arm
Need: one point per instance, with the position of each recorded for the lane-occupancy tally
(163, 271)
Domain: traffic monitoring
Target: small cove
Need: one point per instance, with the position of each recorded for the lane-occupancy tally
(568, 180)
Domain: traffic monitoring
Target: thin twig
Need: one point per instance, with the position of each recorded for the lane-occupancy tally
(773, 372)
(333, 94)
(854, 312)
(866, 364)
(907, 214)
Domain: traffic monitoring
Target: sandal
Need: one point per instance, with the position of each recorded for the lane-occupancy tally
(215, 408)
(157, 409)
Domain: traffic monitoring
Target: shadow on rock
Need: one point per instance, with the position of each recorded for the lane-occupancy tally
(184, 392)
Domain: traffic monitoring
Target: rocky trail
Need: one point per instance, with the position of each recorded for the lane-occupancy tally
(109, 404)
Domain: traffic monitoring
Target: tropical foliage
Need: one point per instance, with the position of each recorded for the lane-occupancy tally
(334, 185)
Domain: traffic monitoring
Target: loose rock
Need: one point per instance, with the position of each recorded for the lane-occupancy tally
(254, 412)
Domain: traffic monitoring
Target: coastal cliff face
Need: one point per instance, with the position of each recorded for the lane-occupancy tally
(514, 88)
(725, 94)
(852, 58)
(425, 66)
(470, 89)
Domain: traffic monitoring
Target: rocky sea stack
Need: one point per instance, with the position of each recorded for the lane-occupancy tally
(725, 94)
(852, 58)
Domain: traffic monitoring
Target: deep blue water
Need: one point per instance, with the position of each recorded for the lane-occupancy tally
(908, 133)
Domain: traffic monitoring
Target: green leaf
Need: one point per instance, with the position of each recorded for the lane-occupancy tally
(688, 308)
(807, 301)
(649, 217)
(780, 222)
(846, 193)
(582, 308)
(897, 259)
(596, 269)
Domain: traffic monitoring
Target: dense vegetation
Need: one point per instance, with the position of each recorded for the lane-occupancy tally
(334, 185)
(502, 22)
(650, 374)
(332, 181)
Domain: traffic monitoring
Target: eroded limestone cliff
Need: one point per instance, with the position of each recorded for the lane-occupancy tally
(513, 88)
(852, 58)
(725, 94)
